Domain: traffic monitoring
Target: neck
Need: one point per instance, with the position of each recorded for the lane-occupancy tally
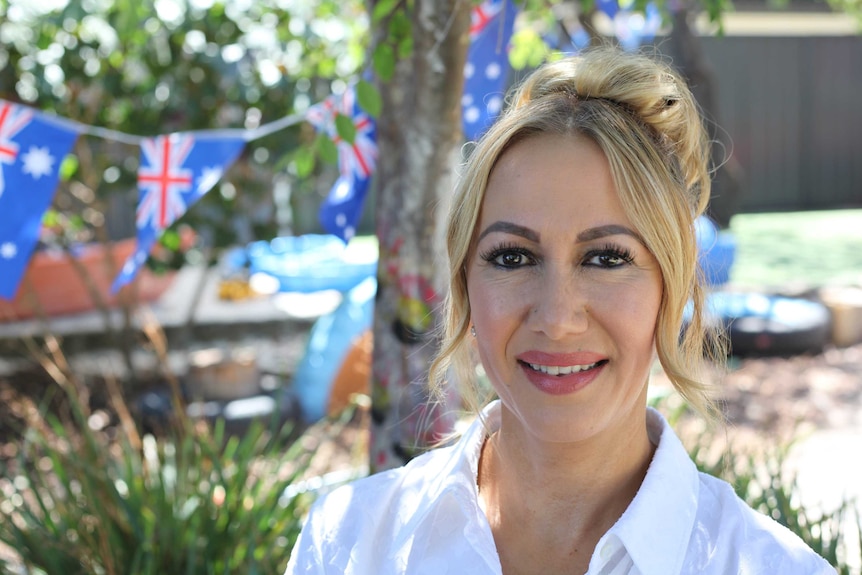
(561, 496)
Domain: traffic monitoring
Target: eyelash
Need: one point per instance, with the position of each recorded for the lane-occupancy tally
(611, 251)
(490, 256)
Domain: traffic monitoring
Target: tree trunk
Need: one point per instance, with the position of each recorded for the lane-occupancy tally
(689, 59)
(419, 132)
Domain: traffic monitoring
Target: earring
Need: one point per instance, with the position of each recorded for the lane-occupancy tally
(473, 330)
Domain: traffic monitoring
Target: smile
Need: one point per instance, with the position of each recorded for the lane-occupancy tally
(560, 369)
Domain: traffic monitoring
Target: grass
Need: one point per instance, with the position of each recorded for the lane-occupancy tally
(195, 500)
(799, 249)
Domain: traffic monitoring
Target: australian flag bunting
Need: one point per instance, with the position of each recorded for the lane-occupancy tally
(32, 147)
(340, 212)
(491, 25)
(176, 171)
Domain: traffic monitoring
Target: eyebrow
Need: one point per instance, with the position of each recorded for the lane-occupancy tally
(510, 228)
(609, 230)
(585, 236)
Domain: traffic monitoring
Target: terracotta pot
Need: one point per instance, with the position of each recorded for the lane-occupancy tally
(58, 287)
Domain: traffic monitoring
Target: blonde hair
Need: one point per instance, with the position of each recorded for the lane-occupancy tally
(646, 121)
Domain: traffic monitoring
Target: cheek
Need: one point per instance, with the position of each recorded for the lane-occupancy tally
(495, 302)
(631, 309)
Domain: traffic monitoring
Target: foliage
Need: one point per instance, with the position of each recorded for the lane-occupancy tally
(183, 505)
(195, 500)
(153, 67)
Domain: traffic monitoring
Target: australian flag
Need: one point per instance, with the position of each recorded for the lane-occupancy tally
(176, 171)
(32, 147)
(340, 212)
(487, 67)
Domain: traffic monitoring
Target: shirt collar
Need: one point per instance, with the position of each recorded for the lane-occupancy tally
(656, 527)
(462, 466)
(654, 530)
(456, 482)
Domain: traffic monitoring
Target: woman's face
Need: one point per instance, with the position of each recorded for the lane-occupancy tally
(563, 295)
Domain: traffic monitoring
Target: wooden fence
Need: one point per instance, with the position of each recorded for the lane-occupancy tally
(793, 109)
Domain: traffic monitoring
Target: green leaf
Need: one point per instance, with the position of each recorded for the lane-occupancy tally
(384, 61)
(528, 49)
(400, 25)
(405, 47)
(50, 218)
(346, 128)
(170, 239)
(303, 159)
(68, 167)
(328, 150)
(382, 9)
(369, 98)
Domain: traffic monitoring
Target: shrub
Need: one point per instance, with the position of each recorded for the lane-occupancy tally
(195, 501)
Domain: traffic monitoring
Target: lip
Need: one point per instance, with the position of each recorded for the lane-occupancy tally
(561, 359)
(561, 384)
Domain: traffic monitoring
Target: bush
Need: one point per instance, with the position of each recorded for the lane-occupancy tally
(195, 501)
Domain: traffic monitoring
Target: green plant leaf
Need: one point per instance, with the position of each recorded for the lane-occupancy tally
(382, 9)
(369, 98)
(327, 149)
(528, 49)
(405, 47)
(50, 218)
(400, 25)
(68, 167)
(345, 127)
(303, 160)
(170, 239)
(384, 61)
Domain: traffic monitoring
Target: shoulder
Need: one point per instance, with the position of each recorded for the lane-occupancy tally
(380, 524)
(742, 540)
(376, 496)
(353, 528)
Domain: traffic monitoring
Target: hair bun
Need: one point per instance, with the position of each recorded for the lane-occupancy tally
(646, 88)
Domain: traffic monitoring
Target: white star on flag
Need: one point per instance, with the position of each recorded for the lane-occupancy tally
(37, 162)
(209, 178)
(8, 250)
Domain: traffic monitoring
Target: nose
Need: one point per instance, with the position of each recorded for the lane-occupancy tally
(560, 305)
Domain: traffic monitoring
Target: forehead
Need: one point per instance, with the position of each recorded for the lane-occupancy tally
(554, 182)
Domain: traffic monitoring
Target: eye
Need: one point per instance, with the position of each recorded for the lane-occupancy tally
(609, 257)
(508, 257)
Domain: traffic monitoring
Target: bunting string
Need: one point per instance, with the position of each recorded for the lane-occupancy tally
(249, 135)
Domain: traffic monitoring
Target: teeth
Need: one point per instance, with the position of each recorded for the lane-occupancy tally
(557, 370)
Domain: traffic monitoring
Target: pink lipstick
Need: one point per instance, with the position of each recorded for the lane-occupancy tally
(561, 373)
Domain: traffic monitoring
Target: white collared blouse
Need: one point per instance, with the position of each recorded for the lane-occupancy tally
(424, 518)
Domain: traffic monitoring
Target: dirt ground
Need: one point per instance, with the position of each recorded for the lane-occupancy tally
(781, 398)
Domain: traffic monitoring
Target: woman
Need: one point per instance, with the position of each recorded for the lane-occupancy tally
(572, 257)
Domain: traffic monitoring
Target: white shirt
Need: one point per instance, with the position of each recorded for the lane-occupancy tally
(424, 518)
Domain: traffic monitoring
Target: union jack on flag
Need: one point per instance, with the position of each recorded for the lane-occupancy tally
(341, 211)
(482, 15)
(176, 171)
(12, 120)
(32, 147)
(164, 180)
(485, 72)
(359, 157)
